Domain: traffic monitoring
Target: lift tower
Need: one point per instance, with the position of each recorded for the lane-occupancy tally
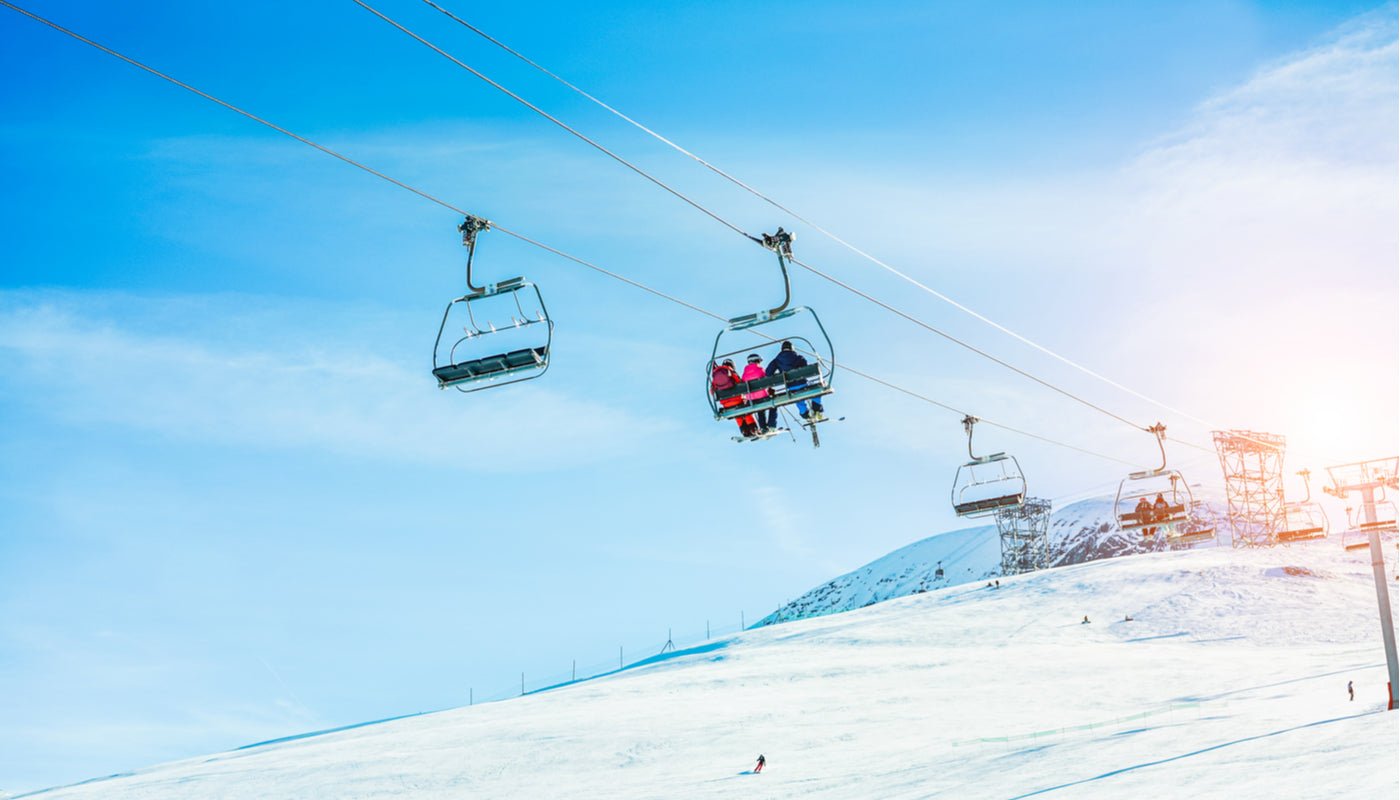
(1253, 467)
(1370, 479)
(1025, 540)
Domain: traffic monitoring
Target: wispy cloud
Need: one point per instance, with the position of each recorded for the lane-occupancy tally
(71, 362)
(1218, 270)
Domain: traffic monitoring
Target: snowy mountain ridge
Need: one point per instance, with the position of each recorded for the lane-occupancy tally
(1080, 532)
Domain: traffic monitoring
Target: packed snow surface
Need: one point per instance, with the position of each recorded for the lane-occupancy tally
(1228, 682)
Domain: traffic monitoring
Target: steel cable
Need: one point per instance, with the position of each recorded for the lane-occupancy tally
(842, 241)
(519, 236)
(715, 216)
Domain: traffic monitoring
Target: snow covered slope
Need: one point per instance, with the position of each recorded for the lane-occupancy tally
(1229, 682)
(1083, 531)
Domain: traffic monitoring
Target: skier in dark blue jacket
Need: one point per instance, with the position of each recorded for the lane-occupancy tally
(786, 360)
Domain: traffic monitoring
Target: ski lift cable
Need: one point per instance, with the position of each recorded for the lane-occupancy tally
(713, 215)
(574, 131)
(817, 227)
(514, 234)
(109, 51)
(910, 317)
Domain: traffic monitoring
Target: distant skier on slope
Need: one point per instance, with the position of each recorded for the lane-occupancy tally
(761, 761)
(1351, 693)
(1086, 620)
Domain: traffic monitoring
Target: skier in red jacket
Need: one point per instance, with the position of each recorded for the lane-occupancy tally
(724, 376)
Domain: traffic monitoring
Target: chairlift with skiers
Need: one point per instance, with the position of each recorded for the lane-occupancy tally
(812, 358)
(986, 484)
(506, 330)
(1158, 500)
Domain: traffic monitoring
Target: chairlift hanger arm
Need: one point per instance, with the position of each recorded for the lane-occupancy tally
(781, 243)
(968, 422)
(1160, 431)
(469, 228)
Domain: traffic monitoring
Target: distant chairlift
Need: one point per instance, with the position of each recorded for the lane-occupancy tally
(1304, 519)
(1357, 535)
(506, 330)
(986, 484)
(1193, 530)
(1371, 479)
(1175, 518)
(811, 382)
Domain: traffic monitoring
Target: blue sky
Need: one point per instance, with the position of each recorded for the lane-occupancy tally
(233, 506)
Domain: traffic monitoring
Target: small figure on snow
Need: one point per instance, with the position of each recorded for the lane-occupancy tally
(787, 360)
(1127, 617)
(724, 376)
(767, 419)
(1086, 620)
(1351, 693)
(998, 585)
(761, 761)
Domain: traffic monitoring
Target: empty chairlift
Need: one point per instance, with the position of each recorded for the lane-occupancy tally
(1193, 531)
(1381, 519)
(1158, 500)
(768, 331)
(1303, 519)
(987, 484)
(506, 330)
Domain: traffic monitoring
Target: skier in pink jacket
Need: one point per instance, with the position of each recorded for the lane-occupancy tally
(767, 419)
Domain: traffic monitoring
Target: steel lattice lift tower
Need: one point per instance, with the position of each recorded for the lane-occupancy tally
(1025, 538)
(1253, 467)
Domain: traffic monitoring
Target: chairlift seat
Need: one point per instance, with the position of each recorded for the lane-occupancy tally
(800, 374)
(1301, 534)
(1132, 520)
(989, 504)
(491, 367)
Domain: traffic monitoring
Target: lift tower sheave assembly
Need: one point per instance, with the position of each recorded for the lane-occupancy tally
(1370, 480)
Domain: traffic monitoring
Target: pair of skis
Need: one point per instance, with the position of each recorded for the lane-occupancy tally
(809, 424)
